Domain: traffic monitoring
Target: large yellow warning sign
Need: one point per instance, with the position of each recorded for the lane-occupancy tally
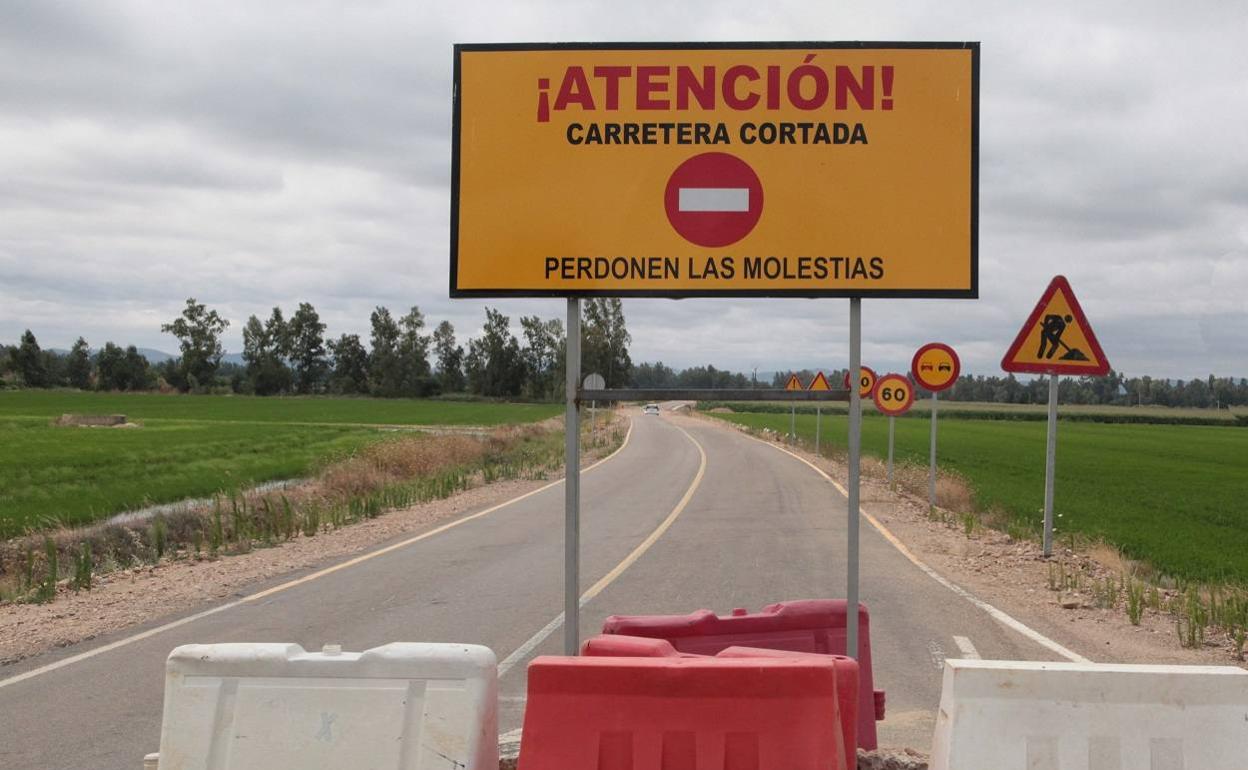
(794, 383)
(820, 382)
(1057, 338)
(833, 169)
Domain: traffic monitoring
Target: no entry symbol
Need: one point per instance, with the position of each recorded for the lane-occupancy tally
(713, 199)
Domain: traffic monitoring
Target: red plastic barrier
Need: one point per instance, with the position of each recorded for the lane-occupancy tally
(680, 713)
(812, 625)
(845, 719)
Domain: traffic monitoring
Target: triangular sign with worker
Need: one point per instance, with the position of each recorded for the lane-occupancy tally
(819, 383)
(794, 383)
(1057, 338)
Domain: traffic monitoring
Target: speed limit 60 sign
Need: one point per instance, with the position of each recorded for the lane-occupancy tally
(894, 394)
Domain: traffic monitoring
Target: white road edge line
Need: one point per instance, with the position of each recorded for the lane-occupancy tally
(968, 650)
(526, 649)
(34, 672)
(998, 615)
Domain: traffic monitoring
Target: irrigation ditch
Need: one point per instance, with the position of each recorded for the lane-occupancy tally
(403, 470)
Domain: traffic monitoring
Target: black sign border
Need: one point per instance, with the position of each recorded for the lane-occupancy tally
(456, 100)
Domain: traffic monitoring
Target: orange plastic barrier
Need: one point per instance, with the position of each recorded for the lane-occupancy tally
(845, 720)
(813, 625)
(681, 713)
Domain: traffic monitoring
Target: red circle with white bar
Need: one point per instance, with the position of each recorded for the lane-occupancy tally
(713, 199)
(894, 394)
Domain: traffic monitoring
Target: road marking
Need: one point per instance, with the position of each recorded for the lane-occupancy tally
(968, 650)
(937, 654)
(296, 582)
(998, 615)
(526, 649)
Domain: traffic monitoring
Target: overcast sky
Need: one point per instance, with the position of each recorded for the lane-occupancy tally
(255, 154)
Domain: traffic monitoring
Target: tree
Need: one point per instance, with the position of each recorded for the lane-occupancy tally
(306, 348)
(413, 355)
(199, 331)
(385, 373)
(606, 339)
(494, 364)
(656, 375)
(450, 358)
(138, 371)
(542, 355)
(350, 374)
(122, 369)
(27, 360)
(267, 373)
(110, 364)
(78, 365)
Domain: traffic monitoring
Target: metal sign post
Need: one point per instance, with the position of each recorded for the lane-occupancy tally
(935, 366)
(572, 486)
(855, 436)
(593, 381)
(1050, 462)
(931, 462)
(894, 395)
(818, 426)
(892, 423)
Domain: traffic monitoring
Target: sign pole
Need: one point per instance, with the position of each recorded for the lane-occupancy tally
(793, 423)
(1050, 461)
(892, 421)
(855, 436)
(931, 462)
(818, 425)
(572, 486)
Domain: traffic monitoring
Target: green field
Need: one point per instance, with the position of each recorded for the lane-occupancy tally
(1175, 496)
(188, 446)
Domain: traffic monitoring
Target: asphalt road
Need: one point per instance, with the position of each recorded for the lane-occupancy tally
(756, 526)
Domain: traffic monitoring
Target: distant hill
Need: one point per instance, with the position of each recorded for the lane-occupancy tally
(154, 356)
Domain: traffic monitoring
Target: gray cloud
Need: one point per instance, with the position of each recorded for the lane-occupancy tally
(260, 154)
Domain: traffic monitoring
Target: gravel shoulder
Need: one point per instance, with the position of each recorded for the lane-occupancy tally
(1014, 576)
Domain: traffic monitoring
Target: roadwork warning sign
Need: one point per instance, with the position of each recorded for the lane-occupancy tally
(735, 169)
(1057, 338)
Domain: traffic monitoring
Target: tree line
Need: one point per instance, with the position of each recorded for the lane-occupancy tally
(402, 356)
(1113, 389)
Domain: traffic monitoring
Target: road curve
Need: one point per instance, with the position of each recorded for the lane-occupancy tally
(759, 526)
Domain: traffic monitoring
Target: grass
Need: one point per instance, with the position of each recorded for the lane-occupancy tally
(1173, 496)
(189, 446)
(402, 470)
(308, 410)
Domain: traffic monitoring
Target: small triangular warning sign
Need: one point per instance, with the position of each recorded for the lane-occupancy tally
(819, 383)
(794, 383)
(1057, 338)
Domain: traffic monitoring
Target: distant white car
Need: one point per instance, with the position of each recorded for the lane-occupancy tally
(651, 409)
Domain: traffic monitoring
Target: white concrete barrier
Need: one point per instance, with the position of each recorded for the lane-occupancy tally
(1014, 715)
(276, 707)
